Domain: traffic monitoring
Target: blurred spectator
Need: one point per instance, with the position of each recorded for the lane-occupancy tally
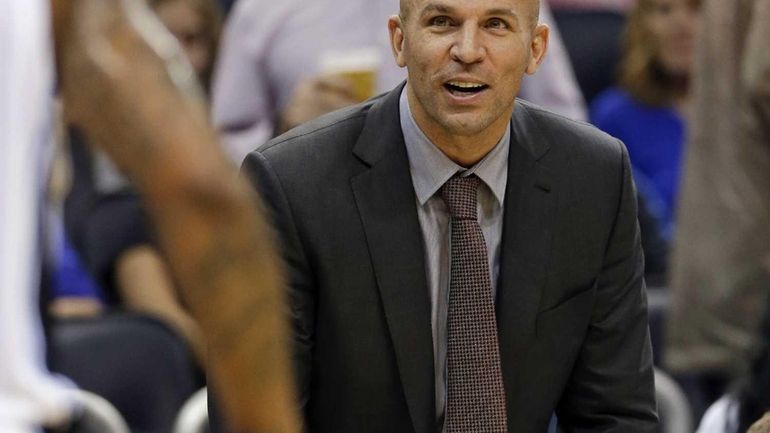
(105, 217)
(647, 110)
(278, 62)
(555, 86)
(720, 274)
(73, 292)
(196, 24)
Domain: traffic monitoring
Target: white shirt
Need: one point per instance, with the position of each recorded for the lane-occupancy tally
(29, 395)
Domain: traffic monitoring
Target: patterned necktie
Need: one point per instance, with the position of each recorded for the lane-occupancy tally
(475, 393)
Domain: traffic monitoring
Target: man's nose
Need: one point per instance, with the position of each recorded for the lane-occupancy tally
(468, 48)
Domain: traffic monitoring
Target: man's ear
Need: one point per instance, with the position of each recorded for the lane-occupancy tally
(395, 27)
(538, 47)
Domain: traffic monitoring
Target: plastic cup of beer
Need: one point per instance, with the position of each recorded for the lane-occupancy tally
(358, 66)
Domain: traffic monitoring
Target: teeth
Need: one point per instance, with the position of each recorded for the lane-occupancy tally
(463, 85)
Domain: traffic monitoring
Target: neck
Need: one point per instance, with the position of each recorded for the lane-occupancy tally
(462, 148)
(466, 151)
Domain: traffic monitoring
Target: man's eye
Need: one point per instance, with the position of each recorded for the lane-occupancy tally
(497, 23)
(440, 21)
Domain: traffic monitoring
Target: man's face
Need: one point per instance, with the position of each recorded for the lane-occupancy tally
(465, 60)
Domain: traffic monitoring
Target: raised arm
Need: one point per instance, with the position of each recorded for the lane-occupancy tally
(124, 84)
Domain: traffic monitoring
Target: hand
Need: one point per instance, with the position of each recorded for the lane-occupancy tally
(316, 96)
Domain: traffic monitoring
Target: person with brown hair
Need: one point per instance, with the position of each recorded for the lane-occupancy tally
(647, 109)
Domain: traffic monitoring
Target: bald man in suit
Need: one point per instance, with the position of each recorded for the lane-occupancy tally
(359, 198)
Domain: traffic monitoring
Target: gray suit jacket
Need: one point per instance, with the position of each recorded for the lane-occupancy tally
(571, 300)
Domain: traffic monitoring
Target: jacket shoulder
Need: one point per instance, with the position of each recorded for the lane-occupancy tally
(572, 138)
(325, 136)
(588, 165)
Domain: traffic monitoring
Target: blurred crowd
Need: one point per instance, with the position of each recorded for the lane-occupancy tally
(683, 98)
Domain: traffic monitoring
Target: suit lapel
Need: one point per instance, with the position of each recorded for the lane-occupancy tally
(526, 241)
(386, 202)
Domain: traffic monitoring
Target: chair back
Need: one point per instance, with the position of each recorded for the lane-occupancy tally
(135, 362)
(673, 407)
(98, 415)
(194, 415)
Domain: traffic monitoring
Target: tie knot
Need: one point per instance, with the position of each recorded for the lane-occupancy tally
(459, 194)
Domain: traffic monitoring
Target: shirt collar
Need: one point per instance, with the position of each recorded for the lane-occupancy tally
(430, 168)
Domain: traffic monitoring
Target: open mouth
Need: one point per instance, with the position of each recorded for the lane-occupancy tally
(458, 88)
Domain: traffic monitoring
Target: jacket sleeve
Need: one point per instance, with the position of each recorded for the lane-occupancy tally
(611, 389)
(301, 283)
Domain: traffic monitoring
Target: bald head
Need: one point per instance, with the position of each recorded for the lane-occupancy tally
(534, 11)
(407, 6)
